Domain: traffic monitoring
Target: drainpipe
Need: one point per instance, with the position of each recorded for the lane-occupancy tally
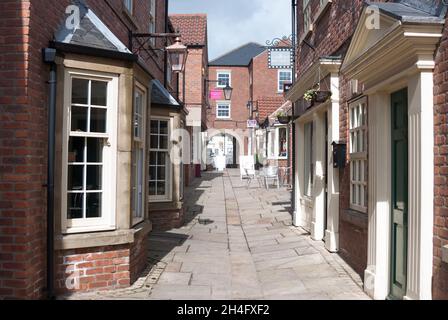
(165, 53)
(49, 56)
(293, 156)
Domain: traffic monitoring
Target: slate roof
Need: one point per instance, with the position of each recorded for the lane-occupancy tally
(192, 27)
(407, 13)
(90, 32)
(159, 95)
(241, 56)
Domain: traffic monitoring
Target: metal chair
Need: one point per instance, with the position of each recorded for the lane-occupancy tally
(271, 174)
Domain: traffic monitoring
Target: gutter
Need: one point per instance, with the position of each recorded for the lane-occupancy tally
(49, 57)
(91, 51)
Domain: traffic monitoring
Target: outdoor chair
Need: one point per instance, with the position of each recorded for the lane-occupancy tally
(271, 174)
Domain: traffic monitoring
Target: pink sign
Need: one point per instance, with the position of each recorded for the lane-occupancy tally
(216, 94)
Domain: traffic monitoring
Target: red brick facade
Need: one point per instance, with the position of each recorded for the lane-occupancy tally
(440, 277)
(26, 27)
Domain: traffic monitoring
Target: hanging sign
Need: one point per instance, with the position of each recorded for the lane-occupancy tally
(280, 58)
(252, 123)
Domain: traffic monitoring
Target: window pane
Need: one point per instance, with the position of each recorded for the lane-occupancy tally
(94, 177)
(95, 150)
(75, 205)
(163, 142)
(161, 173)
(161, 188)
(153, 158)
(161, 158)
(154, 142)
(163, 127)
(76, 149)
(99, 93)
(75, 178)
(152, 173)
(155, 127)
(93, 209)
(152, 189)
(80, 91)
(79, 119)
(98, 120)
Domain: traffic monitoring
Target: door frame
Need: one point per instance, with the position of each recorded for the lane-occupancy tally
(397, 293)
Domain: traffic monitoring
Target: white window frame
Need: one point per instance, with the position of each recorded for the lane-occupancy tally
(274, 148)
(139, 156)
(306, 17)
(222, 104)
(223, 72)
(129, 5)
(152, 20)
(280, 88)
(107, 221)
(309, 166)
(169, 167)
(358, 144)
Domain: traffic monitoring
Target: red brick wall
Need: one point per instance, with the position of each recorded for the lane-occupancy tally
(100, 268)
(265, 80)
(25, 28)
(240, 97)
(163, 220)
(440, 279)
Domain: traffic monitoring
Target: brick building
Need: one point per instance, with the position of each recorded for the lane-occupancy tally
(381, 202)
(247, 71)
(103, 95)
(193, 28)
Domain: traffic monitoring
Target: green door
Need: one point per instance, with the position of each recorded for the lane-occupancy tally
(399, 105)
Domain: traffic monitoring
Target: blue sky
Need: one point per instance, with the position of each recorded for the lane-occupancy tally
(232, 23)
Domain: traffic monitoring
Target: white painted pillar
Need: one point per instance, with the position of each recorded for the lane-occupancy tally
(332, 232)
(421, 186)
(317, 223)
(377, 274)
(299, 214)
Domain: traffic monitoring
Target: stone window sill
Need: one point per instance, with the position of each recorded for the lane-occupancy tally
(101, 239)
(445, 254)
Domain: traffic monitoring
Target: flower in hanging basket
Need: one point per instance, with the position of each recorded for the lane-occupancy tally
(310, 95)
(283, 117)
(322, 96)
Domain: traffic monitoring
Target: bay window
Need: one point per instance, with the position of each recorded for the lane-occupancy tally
(159, 159)
(358, 155)
(89, 152)
(138, 156)
(278, 143)
(309, 159)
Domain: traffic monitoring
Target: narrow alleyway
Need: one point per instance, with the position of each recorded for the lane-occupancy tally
(238, 243)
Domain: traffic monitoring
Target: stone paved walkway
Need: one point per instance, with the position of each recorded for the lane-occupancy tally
(239, 243)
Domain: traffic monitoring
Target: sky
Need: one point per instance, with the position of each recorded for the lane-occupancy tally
(232, 23)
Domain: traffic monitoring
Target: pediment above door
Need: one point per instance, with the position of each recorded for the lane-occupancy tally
(406, 38)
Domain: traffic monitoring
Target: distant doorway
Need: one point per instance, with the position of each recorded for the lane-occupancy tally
(223, 145)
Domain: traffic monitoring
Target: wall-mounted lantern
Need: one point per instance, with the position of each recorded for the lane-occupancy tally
(177, 54)
(339, 155)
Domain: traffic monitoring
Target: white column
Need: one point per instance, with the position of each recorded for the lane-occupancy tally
(317, 223)
(332, 232)
(421, 186)
(299, 214)
(376, 276)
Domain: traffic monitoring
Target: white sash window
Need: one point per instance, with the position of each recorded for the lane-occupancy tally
(89, 152)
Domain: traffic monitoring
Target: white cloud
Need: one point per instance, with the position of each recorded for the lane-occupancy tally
(233, 23)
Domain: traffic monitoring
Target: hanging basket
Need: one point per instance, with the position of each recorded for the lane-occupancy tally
(322, 96)
(284, 119)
